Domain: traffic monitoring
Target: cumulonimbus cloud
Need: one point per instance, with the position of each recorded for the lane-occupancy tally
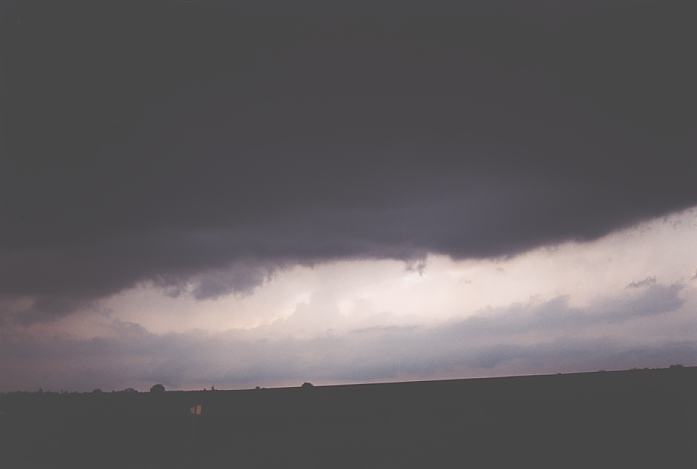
(207, 138)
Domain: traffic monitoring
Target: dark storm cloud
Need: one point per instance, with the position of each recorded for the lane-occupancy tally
(162, 143)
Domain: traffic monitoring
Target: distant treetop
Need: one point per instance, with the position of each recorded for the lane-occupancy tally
(157, 388)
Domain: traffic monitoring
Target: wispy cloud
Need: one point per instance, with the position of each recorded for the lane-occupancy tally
(642, 283)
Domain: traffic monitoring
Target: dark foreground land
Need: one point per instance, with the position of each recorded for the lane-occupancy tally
(644, 418)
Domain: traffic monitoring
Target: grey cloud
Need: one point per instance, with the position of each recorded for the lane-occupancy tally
(212, 137)
(642, 283)
(556, 315)
(240, 278)
(655, 299)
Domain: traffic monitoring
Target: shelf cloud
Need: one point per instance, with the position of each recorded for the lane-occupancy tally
(205, 148)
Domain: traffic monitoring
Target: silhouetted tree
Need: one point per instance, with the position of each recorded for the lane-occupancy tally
(157, 388)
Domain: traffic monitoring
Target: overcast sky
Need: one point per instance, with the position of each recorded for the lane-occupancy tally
(239, 193)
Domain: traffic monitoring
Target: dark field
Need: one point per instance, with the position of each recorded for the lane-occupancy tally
(630, 419)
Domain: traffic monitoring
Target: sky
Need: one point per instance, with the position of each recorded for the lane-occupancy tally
(234, 194)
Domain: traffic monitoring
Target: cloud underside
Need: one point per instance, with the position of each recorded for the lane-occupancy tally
(223, 147)
(551, 336)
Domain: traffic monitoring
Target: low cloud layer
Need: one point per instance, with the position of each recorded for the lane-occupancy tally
(202, 147)
(549, 336)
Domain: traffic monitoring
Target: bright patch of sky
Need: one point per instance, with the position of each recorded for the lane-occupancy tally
(342, 296)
